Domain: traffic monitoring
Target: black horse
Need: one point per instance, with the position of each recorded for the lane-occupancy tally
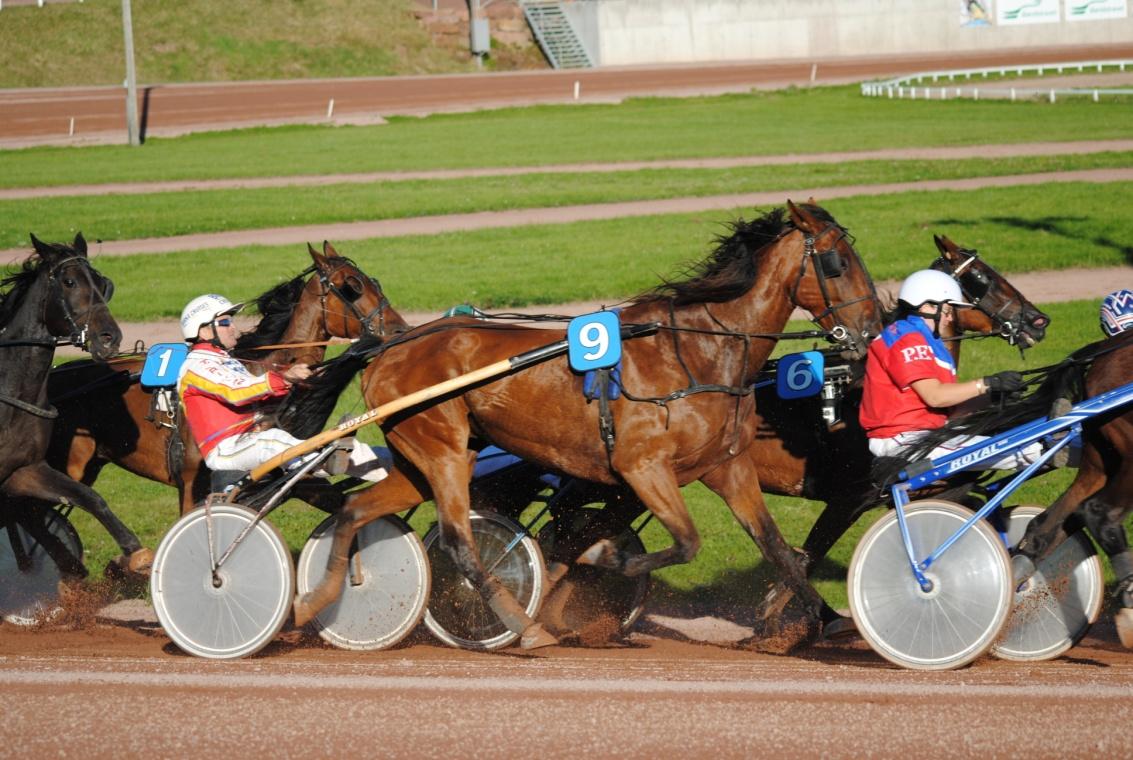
(55, 298)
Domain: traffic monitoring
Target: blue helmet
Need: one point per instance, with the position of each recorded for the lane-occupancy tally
(1117, 312)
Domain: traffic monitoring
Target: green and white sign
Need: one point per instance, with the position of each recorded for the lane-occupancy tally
(1011, 12)
(1090, 10)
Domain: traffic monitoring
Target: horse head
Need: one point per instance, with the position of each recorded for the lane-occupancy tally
(833, 283)
(75, 304)
(353, 303)
(1000, 308)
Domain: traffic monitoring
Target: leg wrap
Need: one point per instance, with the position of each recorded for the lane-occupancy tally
(1110, 534)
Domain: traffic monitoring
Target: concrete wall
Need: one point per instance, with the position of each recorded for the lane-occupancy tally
(626, 32)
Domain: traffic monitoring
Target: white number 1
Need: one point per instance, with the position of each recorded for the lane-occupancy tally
(164, 362)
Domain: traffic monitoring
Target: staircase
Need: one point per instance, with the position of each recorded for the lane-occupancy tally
(555, 35)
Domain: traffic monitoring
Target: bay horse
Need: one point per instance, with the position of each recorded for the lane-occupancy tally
(55, 297)
(106, 416)
(686, 414)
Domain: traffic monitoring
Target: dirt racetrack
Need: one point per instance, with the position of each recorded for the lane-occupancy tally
(119, 688)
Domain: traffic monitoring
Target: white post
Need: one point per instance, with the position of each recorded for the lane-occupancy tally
(1012, 94)
(330, 109)
(71, 131)
(813, 72)
(1095, 96)
(1052, 96)
(132, 130)
(577, 87)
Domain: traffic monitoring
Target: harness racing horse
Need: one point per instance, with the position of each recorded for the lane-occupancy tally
(55, 297)
(1101, 494)
(686, 412)
(106, 416)
(797, 452)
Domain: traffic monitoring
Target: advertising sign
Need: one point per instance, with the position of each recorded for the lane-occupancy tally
(1089, 10)
(1012, 12)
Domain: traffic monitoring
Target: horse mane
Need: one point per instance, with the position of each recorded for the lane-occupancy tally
(730, 269)
(275, 307)
(1066, 379)
(16, 284)
(306, 407)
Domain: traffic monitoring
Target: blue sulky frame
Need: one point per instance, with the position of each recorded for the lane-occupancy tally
(993, 448)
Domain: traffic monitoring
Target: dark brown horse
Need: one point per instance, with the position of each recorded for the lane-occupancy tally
(687, 412)
(106, 416)
(56, 296)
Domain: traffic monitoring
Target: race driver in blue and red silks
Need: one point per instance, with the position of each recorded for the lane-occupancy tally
(910, 379)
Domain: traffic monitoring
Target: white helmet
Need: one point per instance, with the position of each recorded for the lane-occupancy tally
(204, 309)
(931, 286)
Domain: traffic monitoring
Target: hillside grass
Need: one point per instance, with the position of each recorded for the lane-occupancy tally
(127, 216)
(70, 44)
(781, 122)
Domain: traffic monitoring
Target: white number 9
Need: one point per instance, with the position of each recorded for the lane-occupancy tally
(594, 335)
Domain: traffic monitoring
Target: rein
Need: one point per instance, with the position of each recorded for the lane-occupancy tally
(49, 413)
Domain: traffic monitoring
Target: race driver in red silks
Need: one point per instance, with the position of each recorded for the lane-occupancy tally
(218, 393)
(910, 377)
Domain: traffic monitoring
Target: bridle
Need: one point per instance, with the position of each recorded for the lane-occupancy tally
(830, 265)
(975, 285)
(350, 299)
(78, 336)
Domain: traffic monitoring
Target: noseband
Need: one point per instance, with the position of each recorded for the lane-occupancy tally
(829, 265)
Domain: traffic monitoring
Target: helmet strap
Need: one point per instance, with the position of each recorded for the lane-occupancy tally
(934, 317)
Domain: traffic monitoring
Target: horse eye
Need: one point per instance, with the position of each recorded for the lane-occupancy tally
(353, 288)
(70, 283)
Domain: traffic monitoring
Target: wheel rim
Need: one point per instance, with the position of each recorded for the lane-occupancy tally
(457, 614)
(381, 604)
(30, 596)
(957, 620)
(247, 609)
(1055, 608)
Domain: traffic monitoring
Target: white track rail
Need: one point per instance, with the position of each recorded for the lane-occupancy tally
(970, 83)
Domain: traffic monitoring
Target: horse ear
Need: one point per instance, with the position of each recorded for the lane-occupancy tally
(802, 218)
(318, 258)
(80, 244)
(945, 245)
(40, 247)
(328, 250)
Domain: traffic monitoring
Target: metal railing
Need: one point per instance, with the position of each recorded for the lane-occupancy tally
(957, 83)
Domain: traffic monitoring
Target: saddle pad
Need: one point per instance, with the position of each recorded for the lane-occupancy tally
(613, 390)
(163, 362)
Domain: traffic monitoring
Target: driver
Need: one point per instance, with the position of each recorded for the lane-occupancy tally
(910, 376)
(218, 393)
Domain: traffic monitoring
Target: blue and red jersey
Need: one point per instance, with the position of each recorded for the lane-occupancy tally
(906, 351)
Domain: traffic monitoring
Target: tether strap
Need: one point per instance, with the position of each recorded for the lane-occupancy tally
(49, 413)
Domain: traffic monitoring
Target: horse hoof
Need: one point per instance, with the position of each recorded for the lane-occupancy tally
(302, 611)
(537, 636)
(140, 562)
(601, 554)
(1124, 621)
(840, 629)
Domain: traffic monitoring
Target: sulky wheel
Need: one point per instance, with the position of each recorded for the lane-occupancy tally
(1058, 604)
(457, 614)
(386, 587)
(587, 596)
(241, 608)
(30, 590)
(954, 622)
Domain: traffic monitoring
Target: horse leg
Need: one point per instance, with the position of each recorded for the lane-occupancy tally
(394, 494)
(41, 481)
(18, 514)
(1104, 514)
(737, 483)
(656, 486)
